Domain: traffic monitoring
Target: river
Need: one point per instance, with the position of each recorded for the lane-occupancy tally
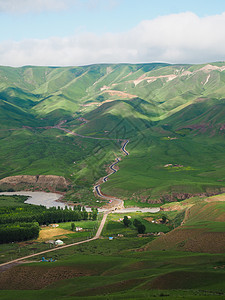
(52, 200)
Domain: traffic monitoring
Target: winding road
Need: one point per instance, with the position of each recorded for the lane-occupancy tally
(117, 203)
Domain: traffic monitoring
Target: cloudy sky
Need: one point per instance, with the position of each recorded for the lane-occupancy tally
(80, 32)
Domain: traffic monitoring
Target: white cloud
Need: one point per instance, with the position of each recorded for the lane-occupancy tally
(178, 38)
(38, 6)
(24, 6)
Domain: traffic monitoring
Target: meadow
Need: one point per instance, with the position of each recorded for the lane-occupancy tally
(129, 266)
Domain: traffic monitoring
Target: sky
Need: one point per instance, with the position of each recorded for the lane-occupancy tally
(81, 32)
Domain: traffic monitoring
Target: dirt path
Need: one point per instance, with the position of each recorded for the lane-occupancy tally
(98, 234)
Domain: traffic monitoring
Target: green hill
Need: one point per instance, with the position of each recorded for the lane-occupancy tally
(172, 115)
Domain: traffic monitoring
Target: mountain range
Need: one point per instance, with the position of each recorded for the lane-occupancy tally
(172, 115)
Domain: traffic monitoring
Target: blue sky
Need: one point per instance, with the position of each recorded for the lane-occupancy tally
(48, 32)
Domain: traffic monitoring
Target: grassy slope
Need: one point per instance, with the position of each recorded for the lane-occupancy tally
(37, 96)
(202, 231)
(114, 269)
(123, 274)
(200, 157)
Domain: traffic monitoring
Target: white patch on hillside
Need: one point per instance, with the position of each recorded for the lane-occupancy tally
(207, 79)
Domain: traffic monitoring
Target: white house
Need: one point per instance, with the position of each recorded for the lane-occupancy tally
(79, 228)
(58, 242)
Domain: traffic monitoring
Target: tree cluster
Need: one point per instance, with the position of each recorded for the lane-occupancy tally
(44, 215)
(18, 232)
(140, 227)
(22, 223)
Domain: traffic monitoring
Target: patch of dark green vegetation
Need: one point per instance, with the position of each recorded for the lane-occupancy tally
(17, 232)
(14, 200)
(13, 218)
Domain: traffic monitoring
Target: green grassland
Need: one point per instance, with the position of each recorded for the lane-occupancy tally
(114, 226)
(171, 114)
(202, 229)
(125, 267)
(123, 273)
(201, 168)
(12, 200)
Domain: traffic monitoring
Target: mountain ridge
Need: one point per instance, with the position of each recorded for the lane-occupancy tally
(178, 108)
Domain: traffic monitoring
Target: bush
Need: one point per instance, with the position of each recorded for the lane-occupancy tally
(136, 223)
(126, 221)
(141, 228)
(72, 226)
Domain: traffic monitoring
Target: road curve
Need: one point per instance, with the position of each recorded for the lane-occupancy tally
(118, 203)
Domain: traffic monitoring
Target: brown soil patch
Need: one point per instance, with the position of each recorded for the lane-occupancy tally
(48, 233)
(194, 240)
(39, 182)
(176, 207)
(149, 219)
(34, 278)
(120, 94)
(216, 198)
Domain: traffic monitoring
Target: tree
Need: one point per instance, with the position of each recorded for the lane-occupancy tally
(141, 228)
(126, 221)
(136, 222)
(164, 219)
(72, 226)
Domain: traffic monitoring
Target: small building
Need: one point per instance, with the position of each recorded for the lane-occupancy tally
(54, 225)
(79, 229)
(110, 238)
(59, 242)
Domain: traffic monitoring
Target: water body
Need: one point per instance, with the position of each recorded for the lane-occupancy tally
(52, 200)
(39, 198)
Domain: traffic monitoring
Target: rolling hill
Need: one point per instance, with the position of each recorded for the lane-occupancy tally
(173, 116)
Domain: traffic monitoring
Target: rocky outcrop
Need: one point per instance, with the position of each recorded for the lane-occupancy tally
(51, 183)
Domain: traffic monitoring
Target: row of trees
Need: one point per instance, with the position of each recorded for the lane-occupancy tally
(22, 223)
(44, 215)
(140, 227)
(18, 232)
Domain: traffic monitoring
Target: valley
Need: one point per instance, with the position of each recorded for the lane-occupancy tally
(106, 103)
(143, 144)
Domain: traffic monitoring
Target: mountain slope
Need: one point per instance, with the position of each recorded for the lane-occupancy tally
(172, 115)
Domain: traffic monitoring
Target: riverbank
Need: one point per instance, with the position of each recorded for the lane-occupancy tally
(53, 200)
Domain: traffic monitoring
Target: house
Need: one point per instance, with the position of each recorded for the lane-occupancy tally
(79, 228)
(54, 225)
(58, 243)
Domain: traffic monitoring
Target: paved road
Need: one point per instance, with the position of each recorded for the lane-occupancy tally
(118, 203)
(98, 234)
(112, 168)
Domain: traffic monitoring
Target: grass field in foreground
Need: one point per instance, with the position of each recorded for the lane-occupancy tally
(118, 274)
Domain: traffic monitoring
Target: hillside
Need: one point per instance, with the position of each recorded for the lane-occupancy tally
(202, 229)
(173, 116)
